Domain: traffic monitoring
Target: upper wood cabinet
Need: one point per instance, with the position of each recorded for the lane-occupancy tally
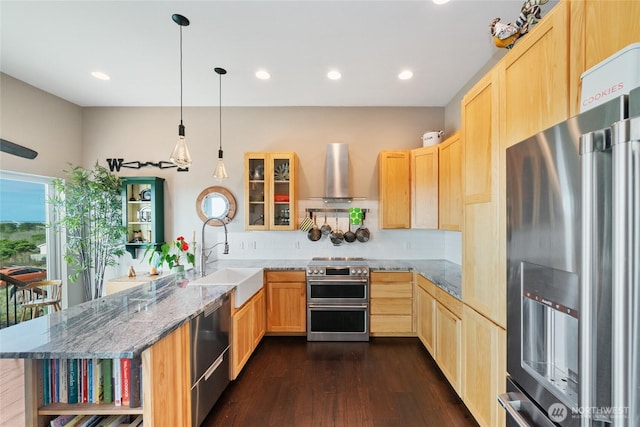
(394, 189)
(534, 78)
(450, 183)
(270, 191)
(424, 187)
(480, 135)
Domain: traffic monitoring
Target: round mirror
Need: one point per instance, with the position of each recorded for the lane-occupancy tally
(216, 202)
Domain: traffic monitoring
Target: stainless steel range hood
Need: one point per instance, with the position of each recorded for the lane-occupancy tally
(336, 184)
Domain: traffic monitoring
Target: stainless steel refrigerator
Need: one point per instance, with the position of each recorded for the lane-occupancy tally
(573, 271)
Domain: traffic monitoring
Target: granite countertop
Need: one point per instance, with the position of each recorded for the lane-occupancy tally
(120, 325)
(128, 322)
(445, 274)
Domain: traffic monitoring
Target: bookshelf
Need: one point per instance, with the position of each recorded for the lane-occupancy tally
(165, 381)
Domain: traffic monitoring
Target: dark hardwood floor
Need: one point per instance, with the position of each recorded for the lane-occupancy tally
(385, 382)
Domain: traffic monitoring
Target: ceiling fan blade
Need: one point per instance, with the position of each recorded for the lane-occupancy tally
(17, 150)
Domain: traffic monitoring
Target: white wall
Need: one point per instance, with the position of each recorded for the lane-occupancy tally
(52, 127)
(148, 134)
(42, 122)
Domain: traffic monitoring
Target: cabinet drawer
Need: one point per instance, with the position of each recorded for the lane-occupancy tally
(285, 276)
(392, 306)
(391, 323)
(391, 276)
(391, 290)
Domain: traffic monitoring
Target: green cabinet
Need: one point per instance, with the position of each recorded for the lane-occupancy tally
(143, 212)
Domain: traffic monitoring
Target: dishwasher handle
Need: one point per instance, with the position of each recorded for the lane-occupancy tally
(213, 367)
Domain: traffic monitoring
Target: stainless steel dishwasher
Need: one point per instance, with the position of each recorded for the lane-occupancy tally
(209, 357)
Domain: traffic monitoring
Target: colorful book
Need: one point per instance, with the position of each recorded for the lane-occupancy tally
(75, 422)
(97, 388)
(85, 385)
(117, 383)
(135, 381)
(125, 372)
(90, 380)
(46, 366)
(64, 377)
(54, 375)
(61, 420)
(73, 381)
(107, 379)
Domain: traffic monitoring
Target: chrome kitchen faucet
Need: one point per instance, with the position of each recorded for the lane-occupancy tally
(203, 255)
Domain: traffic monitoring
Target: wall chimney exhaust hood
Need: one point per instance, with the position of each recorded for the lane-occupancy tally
(336, 184)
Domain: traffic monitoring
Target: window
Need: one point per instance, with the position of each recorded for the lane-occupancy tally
(29, 250)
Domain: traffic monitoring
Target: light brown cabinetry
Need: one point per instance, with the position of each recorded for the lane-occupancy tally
(270, 191)
(426, 314)
(534, 80)
(424, 187)
(450, 183)
(247, 329)
(391, 304)
(483, 367)
(166, 387)
(286, 302)
(440, 329)
(394, 189)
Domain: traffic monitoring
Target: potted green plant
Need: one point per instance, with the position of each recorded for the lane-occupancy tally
(88, 207)
(171, 254)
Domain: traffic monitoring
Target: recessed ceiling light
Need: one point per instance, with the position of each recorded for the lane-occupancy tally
(440, 1)
(263, 75)
(334, 75)
(405, 75)
(100, 75)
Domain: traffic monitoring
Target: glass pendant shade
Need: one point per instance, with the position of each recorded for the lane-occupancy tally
(220, 173)
(180, 155)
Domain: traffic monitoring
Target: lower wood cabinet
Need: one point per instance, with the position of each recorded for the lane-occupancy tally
(391, 304)
(426, 316)
(440, 329)
(483, 367)
(286, 302)
(247, 329)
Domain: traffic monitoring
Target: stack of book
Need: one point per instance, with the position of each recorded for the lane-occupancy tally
(110, 381)
(96, 421)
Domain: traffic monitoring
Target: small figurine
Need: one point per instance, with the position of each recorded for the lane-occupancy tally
(505, 35)
(132, 272)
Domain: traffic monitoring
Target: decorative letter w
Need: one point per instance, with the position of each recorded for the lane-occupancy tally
(115, 164)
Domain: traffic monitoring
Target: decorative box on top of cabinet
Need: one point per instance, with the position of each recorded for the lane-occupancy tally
(270, 191)
(143, 212)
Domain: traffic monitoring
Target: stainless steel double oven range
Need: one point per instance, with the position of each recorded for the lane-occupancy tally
(337, 299)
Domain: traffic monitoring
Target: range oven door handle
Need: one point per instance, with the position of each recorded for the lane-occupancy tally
(511, 402)
(350, 306)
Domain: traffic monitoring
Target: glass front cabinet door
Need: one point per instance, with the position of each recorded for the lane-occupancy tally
(143, 212)
(270, 192)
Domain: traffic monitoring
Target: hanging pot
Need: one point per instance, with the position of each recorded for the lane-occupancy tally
(362, 233)
(326, 228)
(336, 236)
(314, 234)
(350, 236)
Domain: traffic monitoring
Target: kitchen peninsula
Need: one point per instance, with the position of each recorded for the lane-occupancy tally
(151, 323)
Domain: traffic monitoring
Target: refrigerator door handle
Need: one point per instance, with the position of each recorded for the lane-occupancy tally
(512, 402)
(590, 144)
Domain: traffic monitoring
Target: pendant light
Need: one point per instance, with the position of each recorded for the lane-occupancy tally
(220, 173)
(180, 155)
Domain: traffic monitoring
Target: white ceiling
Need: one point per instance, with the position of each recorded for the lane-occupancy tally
(54, 45)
